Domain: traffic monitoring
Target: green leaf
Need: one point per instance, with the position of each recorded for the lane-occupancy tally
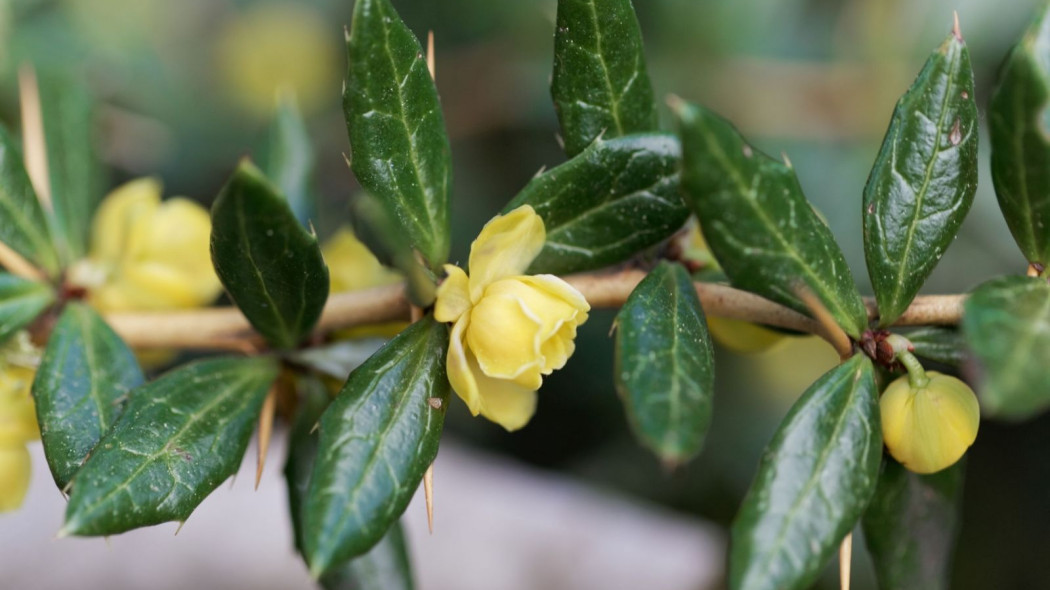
(385, 567)
(377, 439)
(813, 483)
(910, 527)
(400, 149)
(177, 440)
(943, 345)
(80, 388)
(1006, 322)
(605, 205)
(292, 160)
(270, 265)
(1019, 122)
(664, 364)
(924, 179)
(75, 173)
(21, 301)
(765, 235)
(600, 85)
(23, 224)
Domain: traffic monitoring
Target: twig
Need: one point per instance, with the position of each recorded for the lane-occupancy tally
(224, 328)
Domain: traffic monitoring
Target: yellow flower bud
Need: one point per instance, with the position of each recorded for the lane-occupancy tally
(352, 267)
(929, 428)
(15, 469)
(147, 254)
(18, 424)
(510, 330)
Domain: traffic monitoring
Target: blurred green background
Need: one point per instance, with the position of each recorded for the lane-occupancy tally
(188, 88)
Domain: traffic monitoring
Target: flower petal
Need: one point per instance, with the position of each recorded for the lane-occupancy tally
(504, 402)
(506, 246)
(460, 374)
(502, 336)
(562, 290)
(453, 295)
(352, 266)
(121, 212)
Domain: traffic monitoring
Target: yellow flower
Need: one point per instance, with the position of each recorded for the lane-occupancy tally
(929, 428)
(509, 329)
(352, 267)
(15, 469)
(18, 425)
(146, 254)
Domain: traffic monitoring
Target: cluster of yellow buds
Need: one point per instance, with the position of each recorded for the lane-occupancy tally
(18, 423)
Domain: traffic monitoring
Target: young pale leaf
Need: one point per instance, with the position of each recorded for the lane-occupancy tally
(75, 174)
(80, 388)
(177, 440)
(924, 179)
(765, 235)
(943, 345)
(600, 85)
(270, 265)
(1006, 322)
(377, 439)
(385, 567)
(23, 224)
(1020, 128)
(605, 205)
(664, 365)
(400, 150)
(291, 159)
(21, 301)
(813, 483)
(910, 527)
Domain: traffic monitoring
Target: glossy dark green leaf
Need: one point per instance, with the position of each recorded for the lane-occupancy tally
(377, 439)
(74, 170)
(664, 364)
(1007, 327)
(600, 85)
(765, 235)
(943, 345)
(177, 440)
(814, 481)
(910, 527)
(80, 388)
(400, 150)
(291, 159)
(924, 179)
(386, 566)
(270, 265)
(605, 205)
(1019, 122)
(21, 301)
(23, 224)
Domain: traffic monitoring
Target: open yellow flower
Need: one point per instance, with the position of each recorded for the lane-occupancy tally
(146, 254)
(509, 329)
(929, 428)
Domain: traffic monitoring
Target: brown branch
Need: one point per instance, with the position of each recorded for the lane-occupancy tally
(225, 328)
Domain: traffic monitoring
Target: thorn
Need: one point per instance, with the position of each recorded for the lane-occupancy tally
(430, 56)
(540, 172)
(955, 27)
(62, 533)
(845, 557)
(830, 330)
(346, 159)
(416, 313)
(34, 141)
(265, 432)
(675, 103)
(559, 140)
(428, 493)
(182, 523)
(787, 160)
(317, 426)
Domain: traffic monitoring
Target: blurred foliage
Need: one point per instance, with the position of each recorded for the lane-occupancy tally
(188, 87)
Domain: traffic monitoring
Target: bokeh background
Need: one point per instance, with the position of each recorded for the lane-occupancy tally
(189, 88)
